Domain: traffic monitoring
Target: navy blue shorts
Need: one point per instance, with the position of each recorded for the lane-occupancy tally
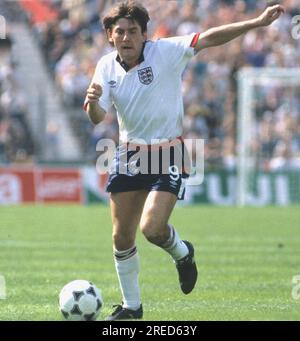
(162, 169)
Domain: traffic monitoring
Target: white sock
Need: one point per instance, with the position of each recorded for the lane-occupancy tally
(127, 266)
(174, 245)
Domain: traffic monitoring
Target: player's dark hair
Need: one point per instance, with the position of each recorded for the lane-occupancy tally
(131, 10)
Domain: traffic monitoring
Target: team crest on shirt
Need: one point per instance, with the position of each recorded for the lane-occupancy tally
(146, 75)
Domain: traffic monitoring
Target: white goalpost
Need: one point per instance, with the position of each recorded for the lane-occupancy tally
(252, 82)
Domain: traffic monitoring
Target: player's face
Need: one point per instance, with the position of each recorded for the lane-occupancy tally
(128, 39)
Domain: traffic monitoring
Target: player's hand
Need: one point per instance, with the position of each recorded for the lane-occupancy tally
(270, 14)
(94, 92)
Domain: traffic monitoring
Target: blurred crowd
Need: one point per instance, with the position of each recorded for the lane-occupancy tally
(74, 41)
(16, 143)
(276, 141)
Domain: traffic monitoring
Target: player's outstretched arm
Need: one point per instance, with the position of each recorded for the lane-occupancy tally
(94, 111)
(223, 34)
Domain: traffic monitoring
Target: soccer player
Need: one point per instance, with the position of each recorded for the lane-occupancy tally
(142, 80)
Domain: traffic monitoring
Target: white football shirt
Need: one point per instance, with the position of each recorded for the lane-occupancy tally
(148, 98)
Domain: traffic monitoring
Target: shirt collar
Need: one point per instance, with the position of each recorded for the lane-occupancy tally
(140, 60)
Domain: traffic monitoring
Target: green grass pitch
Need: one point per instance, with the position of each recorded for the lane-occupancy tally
(246, 260)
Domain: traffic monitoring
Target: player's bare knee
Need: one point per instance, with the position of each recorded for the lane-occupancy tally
(122, 241)
(155, 233)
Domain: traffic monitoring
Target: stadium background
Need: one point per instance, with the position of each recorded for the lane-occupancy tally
(47, 62)
(48, 155)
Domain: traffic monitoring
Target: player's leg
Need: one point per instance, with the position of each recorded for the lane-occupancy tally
(155, 227)
(126, 210)
(154, 223)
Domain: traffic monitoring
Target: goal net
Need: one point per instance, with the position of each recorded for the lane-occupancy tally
(268, 134)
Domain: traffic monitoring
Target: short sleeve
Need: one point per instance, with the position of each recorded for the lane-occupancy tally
(177, 51)
(100, 78)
